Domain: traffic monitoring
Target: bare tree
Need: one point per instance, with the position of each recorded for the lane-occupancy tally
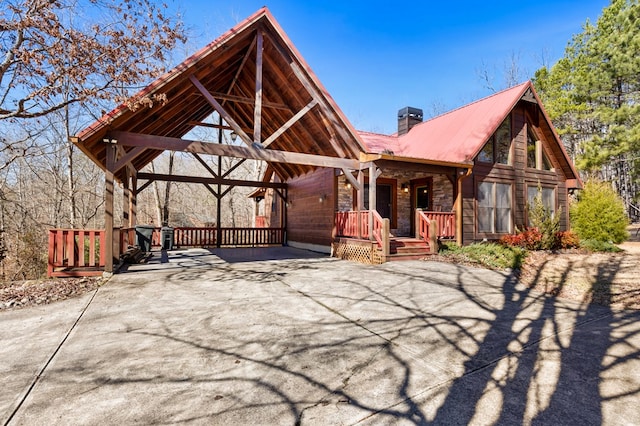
(58, 53)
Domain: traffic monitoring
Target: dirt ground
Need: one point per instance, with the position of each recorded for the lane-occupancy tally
(603, 278)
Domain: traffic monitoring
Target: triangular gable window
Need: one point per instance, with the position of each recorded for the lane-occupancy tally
(537, 158)
(498, 147)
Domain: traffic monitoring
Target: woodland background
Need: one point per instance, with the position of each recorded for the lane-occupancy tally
(64, 63)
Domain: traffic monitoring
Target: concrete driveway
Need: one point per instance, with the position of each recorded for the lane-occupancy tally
(293, 338)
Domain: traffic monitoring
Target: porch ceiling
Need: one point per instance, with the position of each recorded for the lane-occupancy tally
(296, 113)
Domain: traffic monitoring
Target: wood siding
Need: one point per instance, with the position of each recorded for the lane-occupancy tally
(518, 174)
(309, 220)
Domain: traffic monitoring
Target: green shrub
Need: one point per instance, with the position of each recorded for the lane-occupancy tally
(599, 246)
(545, 222)
(599, 214)
(491, 255)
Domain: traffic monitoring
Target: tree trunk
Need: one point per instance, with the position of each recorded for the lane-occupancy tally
(71, 190)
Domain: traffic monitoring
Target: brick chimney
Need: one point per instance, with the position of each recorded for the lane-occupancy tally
(407, 118)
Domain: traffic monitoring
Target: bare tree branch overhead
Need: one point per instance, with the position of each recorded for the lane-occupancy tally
(59, 52)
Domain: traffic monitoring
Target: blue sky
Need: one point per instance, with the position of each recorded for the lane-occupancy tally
(375, 57)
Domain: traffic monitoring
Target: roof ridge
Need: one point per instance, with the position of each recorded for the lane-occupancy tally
(376, 133)
(474, 102)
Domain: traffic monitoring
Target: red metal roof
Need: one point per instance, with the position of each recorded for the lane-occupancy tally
(458, 136)
(454, 137)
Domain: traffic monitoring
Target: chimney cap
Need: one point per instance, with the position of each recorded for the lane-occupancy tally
(410, 112)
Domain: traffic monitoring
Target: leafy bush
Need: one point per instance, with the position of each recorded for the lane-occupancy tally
(530, 239)
(491, 255)
(599, 246)
(568, 240)
(599, 214)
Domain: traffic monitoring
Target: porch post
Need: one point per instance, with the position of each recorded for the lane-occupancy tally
(133, 201)
(126, 198)
(372, 197)
(108, 206)
(360, 201)
(460, 176)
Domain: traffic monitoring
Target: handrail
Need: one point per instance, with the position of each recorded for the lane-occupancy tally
(446, 223)
(377, 227)
(427, 229)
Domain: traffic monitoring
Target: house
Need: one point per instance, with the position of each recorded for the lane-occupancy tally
(465, 175)
(484, 161)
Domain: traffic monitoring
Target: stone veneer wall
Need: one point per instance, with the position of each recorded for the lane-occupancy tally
(442, 196)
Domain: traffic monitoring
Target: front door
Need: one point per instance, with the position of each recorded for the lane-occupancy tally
(421, 198)
(384, 203)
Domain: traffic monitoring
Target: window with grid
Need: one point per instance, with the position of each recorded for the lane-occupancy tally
(494, 208)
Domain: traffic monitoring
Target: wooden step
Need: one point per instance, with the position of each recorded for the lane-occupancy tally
(407, 249)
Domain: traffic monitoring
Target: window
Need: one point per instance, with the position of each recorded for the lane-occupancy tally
(548, 197)
(536, 157)
(494, 207)
(498, 147)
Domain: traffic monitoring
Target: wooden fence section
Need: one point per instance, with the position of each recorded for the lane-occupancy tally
(351, 224)
(76, 252)
(186, 237)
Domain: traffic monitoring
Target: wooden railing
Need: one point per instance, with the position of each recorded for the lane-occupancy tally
(446, 223)
(185, 237)
(352, 224)
(192, 237)
(76, 252)
(355, 224)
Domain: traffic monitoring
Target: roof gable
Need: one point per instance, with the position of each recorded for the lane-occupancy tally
(457, 137)
(296, 114)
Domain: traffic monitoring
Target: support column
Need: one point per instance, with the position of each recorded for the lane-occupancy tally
(133, 201)
(372, 197)
(360, 201)
(460, 176)
(219, 193)
(126, 198)
(108, 206)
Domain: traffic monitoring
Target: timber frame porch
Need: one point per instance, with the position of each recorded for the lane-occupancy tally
(258, 89)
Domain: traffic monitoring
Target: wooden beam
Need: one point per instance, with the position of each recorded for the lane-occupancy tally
(108, 206)
(241, 67)
(145, 185)
(223, 113)
(249, 101)
(210, 180)
(211, 190)
(269, 155)
(289, 123)
(257, 109)
(133, 201)
(204, 164)
(310, 88)
(128, 157)
(213, 126)
(373, 175)
(352, 180)
(332, 135)
(235, 166)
